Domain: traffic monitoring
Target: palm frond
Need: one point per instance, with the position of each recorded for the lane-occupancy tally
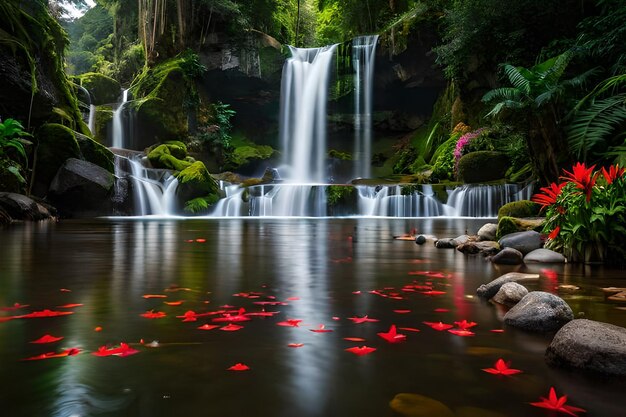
(501, 94)
(505, 104)
(518, 77)
(553, 73)
(596, 124)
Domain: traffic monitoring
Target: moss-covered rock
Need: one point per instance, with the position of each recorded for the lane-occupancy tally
(103, 89)
(482, 166)
(443, 159)
(195, 181)
(104, 117)
(57, 143)
(342, 156)
(507, 225)
(247, 154)
(96, 153)
(169, 156)
(522, 208)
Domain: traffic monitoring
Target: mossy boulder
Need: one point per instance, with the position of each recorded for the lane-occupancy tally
(169, 155)
(57, 143)
(96, 153)
(248, 154)
(103, 89)
(104, 117)
(522, 208)
(508, 225)
(482, 166)
(195, 181)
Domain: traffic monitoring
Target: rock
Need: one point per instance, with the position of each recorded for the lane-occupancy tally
(490, 289)
(482, 166)
(20, 207)
(169, 155)
(544, 256)
(590, 346)
(510, 294)
(420, 240)
(487, 232)
(524, 242)
(82, 189)
(445, 243)
(519, 209)
(540, 312)
(96, 153)
(508, 225)
(415, 405)
(103, 89)
(195, 181)
(484, 247)
(508, 256)
(461, 239)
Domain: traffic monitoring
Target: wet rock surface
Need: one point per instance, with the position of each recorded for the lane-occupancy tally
(490, 289)
(540, 312)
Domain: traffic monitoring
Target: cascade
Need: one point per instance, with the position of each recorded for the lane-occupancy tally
(390, 201)
(92, 119)
(118, 123)
(304, 95)
(485, 200)
(363, 58)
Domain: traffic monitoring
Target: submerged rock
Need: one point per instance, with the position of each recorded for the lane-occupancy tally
(510, 294)
(508, 256)
(524, 242)
(539, 312)
(445, 243)
(544, 256)
(415, 405)
(490, 289)
(484, 247)
(591, 346)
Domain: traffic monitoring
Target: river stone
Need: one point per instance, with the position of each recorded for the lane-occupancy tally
(445, 243)
(510, 294)
(82, 189)
(591, 346)
(544, 256)
(461, 240)
(415, 405)
(508, 256)
(420, 240)
(539, 312)
(20, 207)
(484, 247)
(487, 232)
(490, 289)
(524, 242)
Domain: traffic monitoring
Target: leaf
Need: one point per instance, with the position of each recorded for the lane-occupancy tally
(518, 77)
(16, 172)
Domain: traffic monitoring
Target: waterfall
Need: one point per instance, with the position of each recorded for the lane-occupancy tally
(304, 95)
(92, 119)
(485, 200)
(363, 57)
(118, 123)
(390, 201)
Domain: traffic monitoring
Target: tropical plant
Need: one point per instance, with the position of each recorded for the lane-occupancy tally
(13, 158)
(586, 213)
(597, 125)
(537, 93)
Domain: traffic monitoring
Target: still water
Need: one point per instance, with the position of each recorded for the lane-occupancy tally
(322, 270)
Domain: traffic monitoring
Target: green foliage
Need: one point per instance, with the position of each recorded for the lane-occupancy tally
(13, 158)
(103, 89)
(200, 204)
(586, 217)
(337, 194)
(482, 166)
(443, 159)
(343, 156)
(241, 155)
(169, 156)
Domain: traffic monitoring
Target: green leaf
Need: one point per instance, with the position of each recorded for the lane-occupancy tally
(16, 172)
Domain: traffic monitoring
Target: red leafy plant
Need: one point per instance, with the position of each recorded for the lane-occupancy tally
(586, 213)
(553, 402)
(502, 368)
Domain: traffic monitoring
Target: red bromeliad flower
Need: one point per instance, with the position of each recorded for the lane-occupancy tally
(502, 368)
(550, 194)
(614, 172)
(582, 177)
(554, 233)
(558, 404)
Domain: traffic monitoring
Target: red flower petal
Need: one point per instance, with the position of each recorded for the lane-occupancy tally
(239, 367)
(208, 327)
(461, 332)
(354, 339)
(401, 311)
(147, 296)
(321, 329)
(295, 345)
(47, 339)
(409, 329)
(363, 319)
(153, 315)
(438, 326)
(173, 303)
(231, 328)
(289, 323)
(361, 351)
(392, 336)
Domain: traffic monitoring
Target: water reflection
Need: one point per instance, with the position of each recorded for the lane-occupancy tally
(108, 265)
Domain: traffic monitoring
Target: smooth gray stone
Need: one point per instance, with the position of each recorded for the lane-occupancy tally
(490, 289)
(540, 312)
(524, 242)
(544, 256)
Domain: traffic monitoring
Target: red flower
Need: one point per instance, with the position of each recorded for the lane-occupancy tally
(554, 233)
(392, 336)
(239, 367)
(501, 368)
(613, 172)
(550, 194)
(361, 351)
(558, 404)
(582, 177)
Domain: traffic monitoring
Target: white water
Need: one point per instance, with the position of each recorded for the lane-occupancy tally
(388, 201)
(118, 123)
(363, 58)
(304, 95)
(154, 190)
(92, 119)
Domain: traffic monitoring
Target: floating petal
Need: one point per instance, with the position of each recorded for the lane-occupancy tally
(47, 339)
(239, 367)
(360, 351)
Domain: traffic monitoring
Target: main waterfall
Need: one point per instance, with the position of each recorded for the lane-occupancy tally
(304, 96)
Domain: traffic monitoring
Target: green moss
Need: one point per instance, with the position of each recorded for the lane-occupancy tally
(443, 159)
(170, 155)
(96, 153)
(57, 143)
(104, 116)
(482, 166)
(343, 156)
(507, 225)
(200, 204)
(245, 154)
(103, 89)
(523, 208)
(338, 194)
(196, 182)
(523, 174)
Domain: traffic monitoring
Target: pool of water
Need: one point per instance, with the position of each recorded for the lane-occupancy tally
(322, 270)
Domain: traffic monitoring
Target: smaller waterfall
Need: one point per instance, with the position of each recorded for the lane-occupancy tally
(485, 200)
(363, 57)
(389, 201)
(118, 123)
(92, 119)
(154, 190)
